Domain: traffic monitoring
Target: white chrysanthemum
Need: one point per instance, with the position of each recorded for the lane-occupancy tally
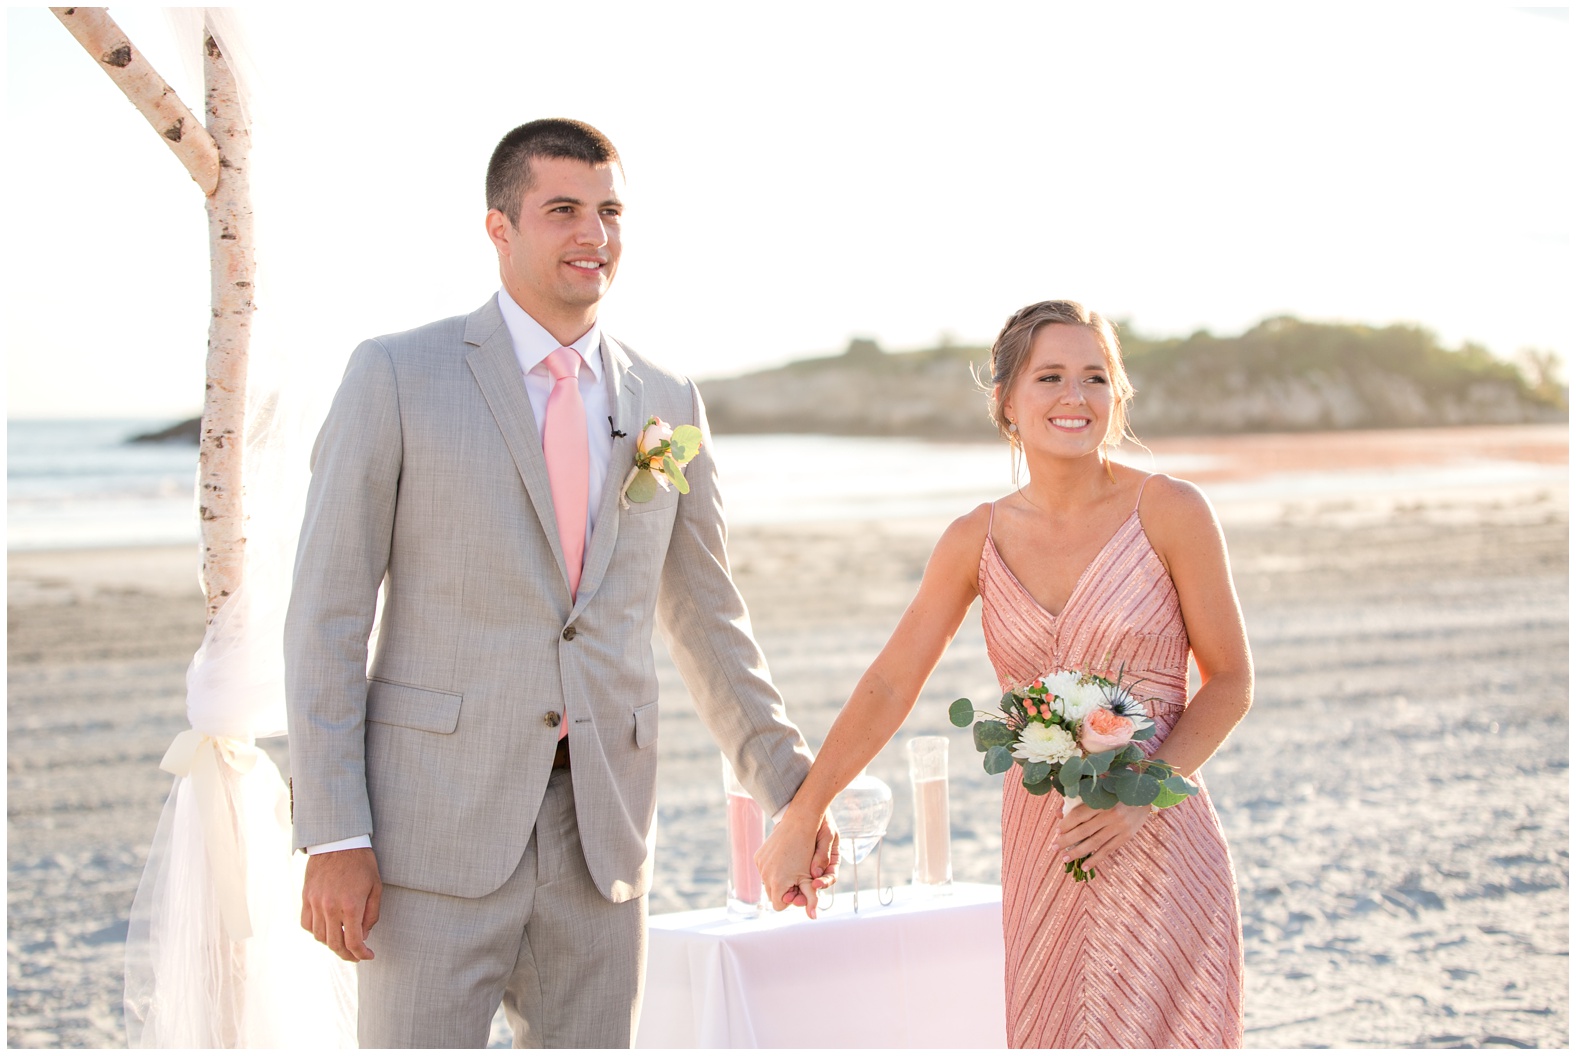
(1061, 683)
(1080, 700)
(1044, 744)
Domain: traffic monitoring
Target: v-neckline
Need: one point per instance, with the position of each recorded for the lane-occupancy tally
(1077, 586)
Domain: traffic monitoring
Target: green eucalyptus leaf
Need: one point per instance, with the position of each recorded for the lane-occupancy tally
(1131, 754)
(1144, 734)
(1100, 762)
(1007, 700)
(1097, 797)
(1071, 771)
(1148, 788)
(1036, 772)
(989, 733)
(1125, 785)
(998, 760)
(961, 712)
(1173, 790)
(1038, 789)
(686, 442)
(1167, 798)
(675, 474)
(643, 488)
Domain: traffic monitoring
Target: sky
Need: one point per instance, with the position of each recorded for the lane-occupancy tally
(802, 174)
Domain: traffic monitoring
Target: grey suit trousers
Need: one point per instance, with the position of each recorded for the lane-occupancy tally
(566, 963)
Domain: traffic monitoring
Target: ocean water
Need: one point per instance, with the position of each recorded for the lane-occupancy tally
(78, 483)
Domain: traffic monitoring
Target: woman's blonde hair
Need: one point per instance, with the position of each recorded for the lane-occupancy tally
(1009, 356)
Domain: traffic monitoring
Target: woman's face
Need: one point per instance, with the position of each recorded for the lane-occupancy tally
(1061, 400)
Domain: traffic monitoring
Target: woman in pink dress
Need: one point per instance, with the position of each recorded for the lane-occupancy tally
(1096, 567)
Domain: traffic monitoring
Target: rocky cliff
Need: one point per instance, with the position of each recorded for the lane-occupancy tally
(1284, 375)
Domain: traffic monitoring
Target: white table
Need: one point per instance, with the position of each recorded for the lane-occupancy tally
(925, 972)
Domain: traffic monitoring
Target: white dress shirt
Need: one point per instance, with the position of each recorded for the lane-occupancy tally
(532, 345)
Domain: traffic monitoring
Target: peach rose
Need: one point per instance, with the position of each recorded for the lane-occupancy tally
(1103, 730)
(654, 434)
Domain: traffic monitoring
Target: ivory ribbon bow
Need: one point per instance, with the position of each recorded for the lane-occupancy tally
(198, 755)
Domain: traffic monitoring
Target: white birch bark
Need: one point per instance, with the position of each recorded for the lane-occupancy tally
(182, 133)
(218, 159)
(232, 266)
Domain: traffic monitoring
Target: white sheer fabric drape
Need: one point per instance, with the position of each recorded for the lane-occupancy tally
(215, 954)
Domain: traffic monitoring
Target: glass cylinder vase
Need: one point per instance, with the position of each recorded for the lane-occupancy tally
(927, 770)
(746, 833)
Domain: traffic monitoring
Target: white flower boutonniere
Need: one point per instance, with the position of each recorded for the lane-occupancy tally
(661, 453)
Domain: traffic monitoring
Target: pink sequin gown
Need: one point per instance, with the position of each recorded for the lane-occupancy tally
(1148, 954)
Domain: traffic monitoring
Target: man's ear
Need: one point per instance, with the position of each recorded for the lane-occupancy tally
(498, 229)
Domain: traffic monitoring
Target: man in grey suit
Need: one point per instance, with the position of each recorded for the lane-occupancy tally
(484, 792)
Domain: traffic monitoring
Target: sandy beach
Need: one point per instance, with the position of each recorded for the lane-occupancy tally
(1397, 801)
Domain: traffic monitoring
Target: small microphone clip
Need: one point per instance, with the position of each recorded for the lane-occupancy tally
(617, 433)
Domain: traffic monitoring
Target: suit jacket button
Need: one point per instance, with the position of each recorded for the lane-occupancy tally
(569, 633)
(552, 719)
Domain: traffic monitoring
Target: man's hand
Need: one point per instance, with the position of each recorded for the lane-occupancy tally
(340, 900)
(793, 867)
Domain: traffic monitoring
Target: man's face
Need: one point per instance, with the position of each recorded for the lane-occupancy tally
(559, 259)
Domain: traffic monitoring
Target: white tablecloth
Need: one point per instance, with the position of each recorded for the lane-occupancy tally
(925, 972)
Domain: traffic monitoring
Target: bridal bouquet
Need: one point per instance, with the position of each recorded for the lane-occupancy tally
(1076, 732)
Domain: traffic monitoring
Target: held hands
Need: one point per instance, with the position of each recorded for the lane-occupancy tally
(797, 861)
(340, 900)
(1096, 833)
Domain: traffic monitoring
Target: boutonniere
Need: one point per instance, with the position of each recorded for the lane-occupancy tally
(661, 453)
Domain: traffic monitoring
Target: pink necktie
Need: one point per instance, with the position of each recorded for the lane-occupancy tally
(568, 458)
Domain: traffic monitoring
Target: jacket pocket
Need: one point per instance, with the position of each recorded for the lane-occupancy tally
(646, 724)
(396, 704)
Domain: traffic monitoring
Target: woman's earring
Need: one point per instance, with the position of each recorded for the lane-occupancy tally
(1012, 427)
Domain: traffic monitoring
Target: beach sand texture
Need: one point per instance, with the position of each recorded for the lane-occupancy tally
(1397, 801)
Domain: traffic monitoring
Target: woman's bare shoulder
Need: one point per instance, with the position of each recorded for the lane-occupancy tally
(968, 531)
(1173, 509)
(960, 545)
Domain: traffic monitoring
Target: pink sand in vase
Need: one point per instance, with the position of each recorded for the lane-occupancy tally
(746, 833)
(932, 833)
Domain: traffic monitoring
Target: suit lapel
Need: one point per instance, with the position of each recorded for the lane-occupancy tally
(624, 395)
(497, 372)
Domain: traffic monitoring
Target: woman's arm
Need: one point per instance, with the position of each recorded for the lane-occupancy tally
(1185, 534)
(880, 702)
(1189, 541)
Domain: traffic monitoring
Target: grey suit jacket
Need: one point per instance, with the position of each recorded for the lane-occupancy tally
(428, 479)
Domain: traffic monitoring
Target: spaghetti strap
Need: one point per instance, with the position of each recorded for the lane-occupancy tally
(991, 523)
(1142, 485)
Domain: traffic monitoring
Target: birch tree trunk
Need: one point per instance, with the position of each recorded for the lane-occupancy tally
(218, 159)
(101, 38)
(232, 267)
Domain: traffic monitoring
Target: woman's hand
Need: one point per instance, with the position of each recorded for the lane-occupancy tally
(1097, 833)
(798, 859)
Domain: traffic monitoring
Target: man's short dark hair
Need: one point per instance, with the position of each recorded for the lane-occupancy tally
(509, 173)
